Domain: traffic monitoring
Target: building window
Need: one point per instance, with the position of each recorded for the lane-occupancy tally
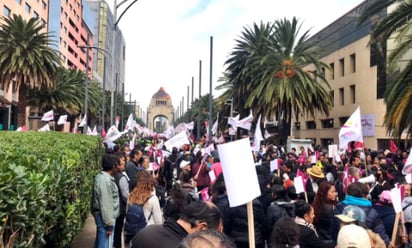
(327, 123)
(27, 8)
(332, 70)
(36, 15)
(42, 22)
(323, 71)
(342, 96)
(353, 62)
(325, 142)
(43, 4)
(353, 93)
(311, 125)
(18, 2)
(342, 67)
(6, 11)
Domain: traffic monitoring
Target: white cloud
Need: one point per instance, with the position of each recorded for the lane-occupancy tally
(165, 39)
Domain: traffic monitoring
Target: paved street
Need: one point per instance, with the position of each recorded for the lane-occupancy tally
(85, 239)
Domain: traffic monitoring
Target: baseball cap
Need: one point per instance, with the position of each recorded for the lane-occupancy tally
(353, 236)
(184, 163)
(351, 214)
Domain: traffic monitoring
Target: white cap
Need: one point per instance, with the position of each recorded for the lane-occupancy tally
(353, 236)
(184, 163)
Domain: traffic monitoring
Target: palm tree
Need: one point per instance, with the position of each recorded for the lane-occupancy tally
(26, 58)
(67, 96)
(395, 25)
(265, 73)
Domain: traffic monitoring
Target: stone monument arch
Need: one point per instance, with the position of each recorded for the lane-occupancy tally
(160, 113)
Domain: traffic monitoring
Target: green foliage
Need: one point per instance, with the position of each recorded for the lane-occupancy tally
(46, 184)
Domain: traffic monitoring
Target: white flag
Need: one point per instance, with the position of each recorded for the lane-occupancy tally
(132, 142)
(129, 123)
(246, 123)
(113, 134)
(94, 132)
(351, 130)
(190, 125)
(214, 127)
(258, 136)
(233, 121)
(89, 131)
(84, 121)
(62, 120)
(45, 128)
(267, 134)
(48, 116)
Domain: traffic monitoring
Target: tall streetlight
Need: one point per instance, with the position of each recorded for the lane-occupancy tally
(115, 23)
(86, 79)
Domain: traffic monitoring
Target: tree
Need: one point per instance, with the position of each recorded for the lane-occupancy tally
(265, 73)
(26, 58)
(397, 26)
(67, 95)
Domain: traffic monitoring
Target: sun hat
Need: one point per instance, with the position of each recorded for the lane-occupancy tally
(351, 214)
(353, 236)
(315, 171)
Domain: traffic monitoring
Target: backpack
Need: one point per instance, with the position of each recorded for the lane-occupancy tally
(135, 219)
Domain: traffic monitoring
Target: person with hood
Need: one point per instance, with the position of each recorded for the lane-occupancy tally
(356, 194)
(280, 207)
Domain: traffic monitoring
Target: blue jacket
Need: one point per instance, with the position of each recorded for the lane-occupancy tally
(373, 221)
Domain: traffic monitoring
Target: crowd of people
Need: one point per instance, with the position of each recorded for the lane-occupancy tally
(346, 203)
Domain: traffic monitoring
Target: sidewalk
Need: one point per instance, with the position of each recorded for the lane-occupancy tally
(85, 239)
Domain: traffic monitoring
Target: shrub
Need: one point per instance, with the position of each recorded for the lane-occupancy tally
(46, 182)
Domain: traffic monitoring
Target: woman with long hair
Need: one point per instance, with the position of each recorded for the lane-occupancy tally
(144, 194)
(308, 235)
(324, 206)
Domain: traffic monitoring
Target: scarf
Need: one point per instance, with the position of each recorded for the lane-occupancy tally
(357, 201)
(303, 222)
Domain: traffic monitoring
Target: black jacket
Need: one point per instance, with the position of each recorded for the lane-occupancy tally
(277, 210)
(167, 235)
(309, 239)
(238, 223)
(325, 223)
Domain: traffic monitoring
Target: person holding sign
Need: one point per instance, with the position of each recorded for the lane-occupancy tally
(316, 177)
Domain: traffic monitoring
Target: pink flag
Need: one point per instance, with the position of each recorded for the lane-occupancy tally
(205, 193)
(104, 133)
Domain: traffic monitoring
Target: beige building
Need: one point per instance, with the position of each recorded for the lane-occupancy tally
(357, 78)
(160, 113)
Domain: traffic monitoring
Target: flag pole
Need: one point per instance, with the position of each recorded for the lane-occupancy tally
(251, 224)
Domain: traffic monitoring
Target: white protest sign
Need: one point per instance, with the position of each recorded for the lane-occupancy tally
(274, 165)
(408, 178)
(396, 199)
(298, 183)
(239, 171)
(177, 141)
(332, 150)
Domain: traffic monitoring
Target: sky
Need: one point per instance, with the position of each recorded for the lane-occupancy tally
(165, 39)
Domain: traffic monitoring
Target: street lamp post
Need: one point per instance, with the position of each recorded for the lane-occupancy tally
(115, 22)
(86, 80)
